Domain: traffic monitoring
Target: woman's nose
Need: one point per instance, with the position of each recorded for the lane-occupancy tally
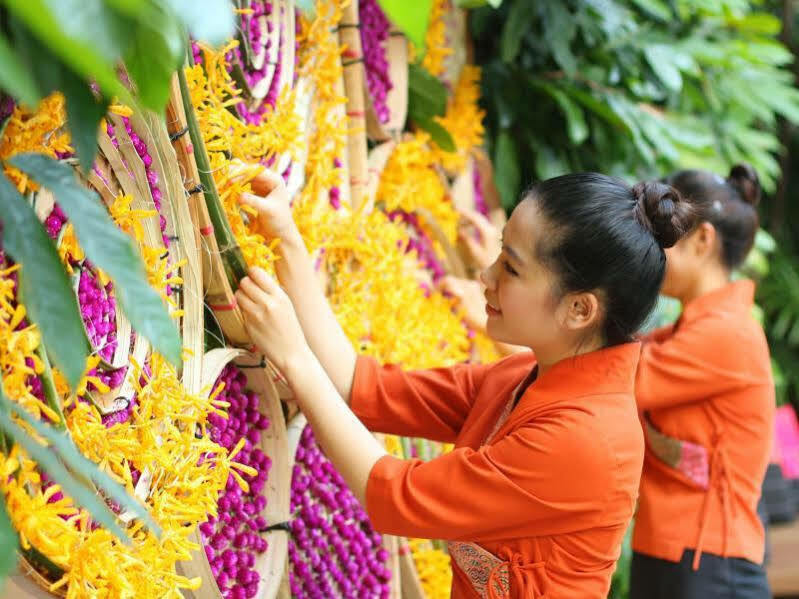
(487, 276)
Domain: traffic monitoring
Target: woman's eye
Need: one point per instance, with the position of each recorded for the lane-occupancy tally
(510, 269)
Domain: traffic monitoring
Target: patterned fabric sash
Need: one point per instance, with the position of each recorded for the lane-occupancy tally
(707, 469)
(689, 458)
(478, 564)
(489, 575)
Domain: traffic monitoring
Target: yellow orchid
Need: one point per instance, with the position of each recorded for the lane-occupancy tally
(69, 249)
(320, 61)
(40, 130)
(129, 219)
(433, 568)
(411, 180)
(463, 120)
(435, 49)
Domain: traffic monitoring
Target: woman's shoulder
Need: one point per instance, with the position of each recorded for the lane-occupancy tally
(602, 459)
(734, 337)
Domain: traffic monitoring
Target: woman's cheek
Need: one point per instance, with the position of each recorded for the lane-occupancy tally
(506, 296)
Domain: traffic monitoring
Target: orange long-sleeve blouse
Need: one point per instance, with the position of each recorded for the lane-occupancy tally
(542, 494)
(706, 383)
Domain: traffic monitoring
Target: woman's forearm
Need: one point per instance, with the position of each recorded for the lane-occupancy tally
(326, 338)
(344, 439)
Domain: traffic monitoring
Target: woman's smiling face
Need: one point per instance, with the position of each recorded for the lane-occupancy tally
(521, 302)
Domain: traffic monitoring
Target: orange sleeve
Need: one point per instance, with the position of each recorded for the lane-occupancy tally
(694, 363)
(432, 404)
(539, 480)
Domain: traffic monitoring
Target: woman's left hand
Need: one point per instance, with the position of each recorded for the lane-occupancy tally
(471, 296)
(271, 321)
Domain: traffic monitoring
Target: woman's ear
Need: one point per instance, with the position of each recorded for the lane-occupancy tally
(704, 240)
(579, 312)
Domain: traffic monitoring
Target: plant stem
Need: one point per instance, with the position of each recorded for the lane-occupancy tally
(232, 258)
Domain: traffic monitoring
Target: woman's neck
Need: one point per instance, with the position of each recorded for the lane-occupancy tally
(547, 359)
(710, 281)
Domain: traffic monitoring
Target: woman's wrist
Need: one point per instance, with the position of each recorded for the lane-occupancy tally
(291, 242)
(294, 267)
(301, 369)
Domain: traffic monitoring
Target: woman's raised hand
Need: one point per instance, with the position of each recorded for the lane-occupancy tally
(271, 200)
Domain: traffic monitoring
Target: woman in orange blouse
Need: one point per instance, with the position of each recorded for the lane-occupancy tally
(705, 389)
(541, 485)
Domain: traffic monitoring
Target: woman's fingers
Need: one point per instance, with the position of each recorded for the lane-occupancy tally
(270, 318)
(479, 221)
(264, 281)
(253, 291)
(246, 304)
(481, 253)
(484, 246)
(265, 182)
(254, 201)
(474, 246)
(452, 285)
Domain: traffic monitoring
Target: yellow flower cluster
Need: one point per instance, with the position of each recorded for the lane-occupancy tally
(100, 567)
(187, 474)
(213, 92)
(127, 218)
(18, 358)
(484, 349)
(69, 249)
(39, 131)
(62, 387)
(320, 62)
(375, 291)
(182, 474)
(231, 143)
(393, 446)
(436, 49)
(412, 180)
(161, 273)
(52, 527)
(433, 568)
(463, 120)
(159, 438)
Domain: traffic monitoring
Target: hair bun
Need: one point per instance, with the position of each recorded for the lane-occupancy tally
(743, 177)
(660, 209)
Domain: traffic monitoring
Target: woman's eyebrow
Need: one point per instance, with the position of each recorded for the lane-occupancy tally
(512, 253)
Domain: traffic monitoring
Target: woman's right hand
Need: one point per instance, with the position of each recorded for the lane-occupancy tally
(271, 200)
(486, 244)
(298, 278)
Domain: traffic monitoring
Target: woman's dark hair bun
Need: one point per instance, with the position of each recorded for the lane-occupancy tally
(660, 209)
(743, 177)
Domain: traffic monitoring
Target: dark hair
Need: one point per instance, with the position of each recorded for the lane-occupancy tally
(609, 237)
(728, 204)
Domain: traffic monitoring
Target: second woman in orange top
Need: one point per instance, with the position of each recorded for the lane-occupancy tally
(537, 494)
(705, 389)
